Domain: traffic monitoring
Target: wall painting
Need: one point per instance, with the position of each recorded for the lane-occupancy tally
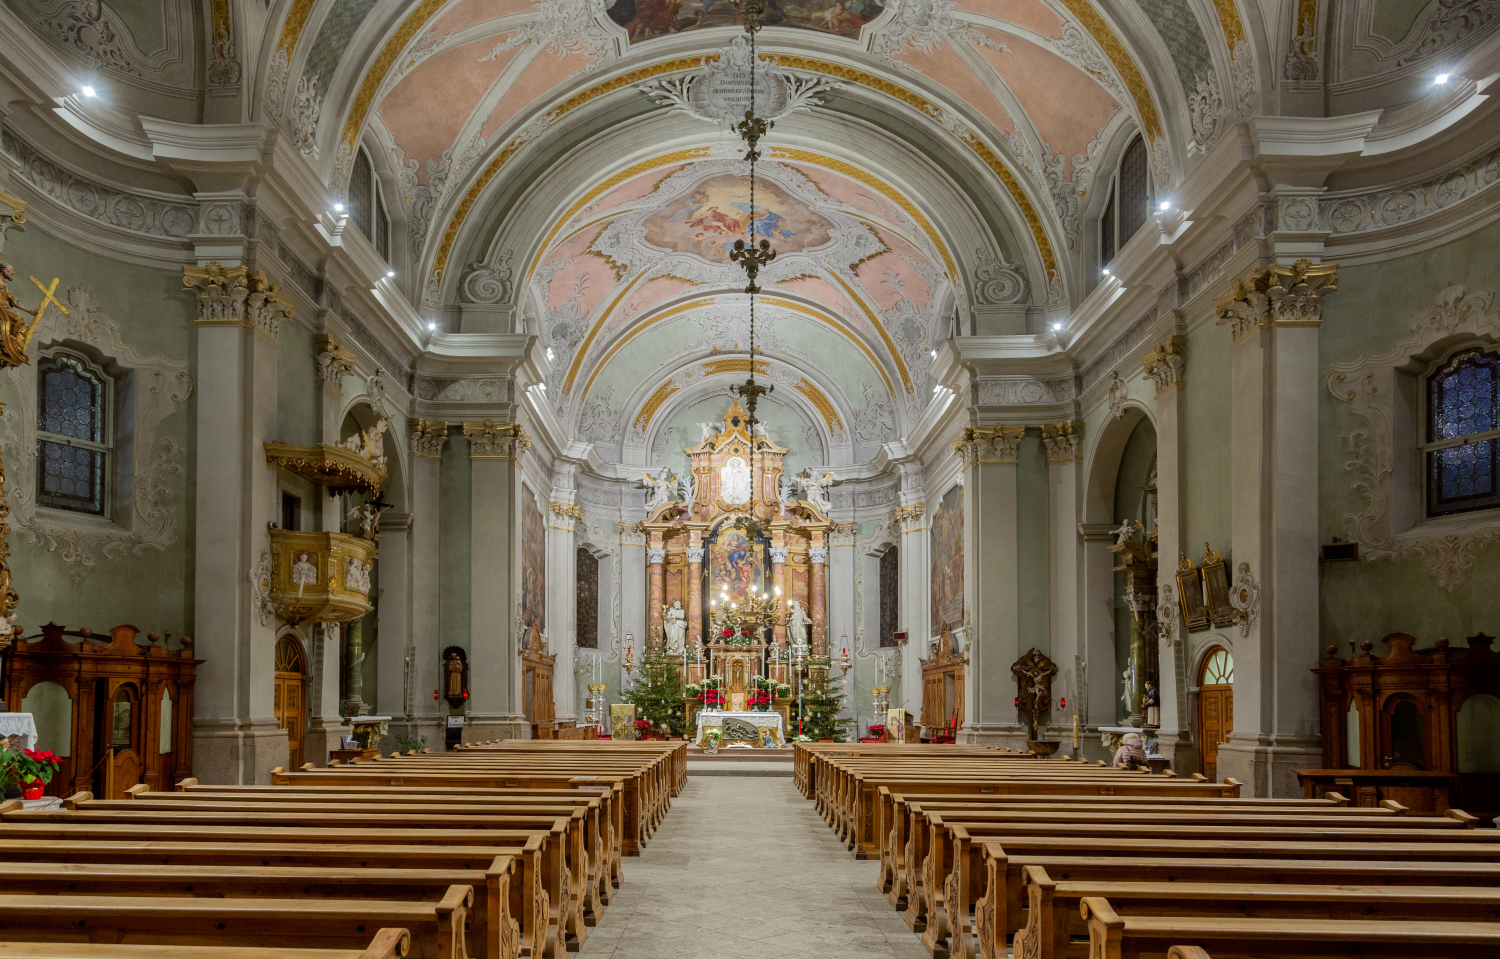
(533, 561)
(946, 528)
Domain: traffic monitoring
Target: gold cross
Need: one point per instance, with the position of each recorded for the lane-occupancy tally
(47, 297)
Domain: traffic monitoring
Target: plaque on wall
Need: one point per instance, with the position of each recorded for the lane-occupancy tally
(1190, 588)
(1216, 588)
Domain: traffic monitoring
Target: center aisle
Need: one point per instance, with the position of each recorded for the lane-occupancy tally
(743, 868)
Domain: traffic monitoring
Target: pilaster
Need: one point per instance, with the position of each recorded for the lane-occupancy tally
(563, 518)
(426, 444)
(395, 695)
(909, 521)
(1063, 443)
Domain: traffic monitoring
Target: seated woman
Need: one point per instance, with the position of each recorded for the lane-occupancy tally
(1131, 752)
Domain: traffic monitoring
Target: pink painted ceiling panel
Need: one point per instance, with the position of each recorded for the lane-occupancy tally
(429, 107)
(892, 276)
(1031, 14)
(545, 71)
(949, 69)
(466, 13)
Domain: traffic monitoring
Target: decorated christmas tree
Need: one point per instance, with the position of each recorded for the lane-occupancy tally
(822, 700)
(657, 692)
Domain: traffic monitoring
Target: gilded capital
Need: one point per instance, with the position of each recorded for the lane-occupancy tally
(989, 445)
(1278, 295)
(496, 441)
(1167, 364)
(565, 516)
(428, 438)
(334, 362)
(1063, 441)
(235, 296)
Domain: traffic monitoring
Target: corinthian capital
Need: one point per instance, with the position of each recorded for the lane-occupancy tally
(235, 296)
(1278, 295)
(496, 441)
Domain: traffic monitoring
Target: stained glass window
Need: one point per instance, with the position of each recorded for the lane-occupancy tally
(1127, 205)
(72, 434)
(1463, 433)
(361, 184)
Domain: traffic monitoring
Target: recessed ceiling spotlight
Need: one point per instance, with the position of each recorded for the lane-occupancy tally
(91, 92)
(1057, 326)
(432, 326)
(390, 273)
(1106, 271)
(338, 208)
(1440, 79)
(1165, 205)
(542, 387)
(938, 388)
(934, 354)
(550, 354)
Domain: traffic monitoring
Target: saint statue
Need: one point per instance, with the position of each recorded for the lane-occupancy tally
(815, 490)
(674, 623)
(1151, 704)
(797, 622)
(453, 667)
(304, 574)
(734, 481)
(1129, 677)
(15, 328)
(660, 488)
(945, 639)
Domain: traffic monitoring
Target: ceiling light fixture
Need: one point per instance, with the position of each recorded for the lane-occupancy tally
(91, 92)
(390, 273)
(338, 208)
(1106, 271)
(550, 354)
(1057, 326)
(1440, 79)
(934, 354)
(432, 326)
(1165, 205)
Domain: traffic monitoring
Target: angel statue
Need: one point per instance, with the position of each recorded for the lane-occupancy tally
(815, 491)
(368, 518)
(1126, 532)
(710, 430)
(660, 488)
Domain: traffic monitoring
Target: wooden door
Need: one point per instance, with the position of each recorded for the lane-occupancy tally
(123, 732)
(289, 702)
(1215, 708)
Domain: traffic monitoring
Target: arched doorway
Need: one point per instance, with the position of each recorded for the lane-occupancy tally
(1215, 707)
(290, 708)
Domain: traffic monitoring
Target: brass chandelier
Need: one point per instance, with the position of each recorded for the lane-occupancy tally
(750, 255)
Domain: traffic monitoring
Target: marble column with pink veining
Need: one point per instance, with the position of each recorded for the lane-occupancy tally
(778, 571)
(656, 586)
(818, 556)
(695, 596)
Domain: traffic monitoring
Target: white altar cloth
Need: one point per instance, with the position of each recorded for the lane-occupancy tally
(761, 721)
(12, 724)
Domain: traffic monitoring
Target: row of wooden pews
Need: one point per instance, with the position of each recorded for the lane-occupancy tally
(999, 853)
(503, 851)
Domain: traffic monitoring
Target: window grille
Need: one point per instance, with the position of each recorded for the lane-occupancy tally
(73, 434)
(1462, 447)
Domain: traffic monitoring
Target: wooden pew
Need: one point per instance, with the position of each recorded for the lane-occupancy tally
(1112, 936)
(436, 928)
(1054, 907)
(493, 934)
(387, 944)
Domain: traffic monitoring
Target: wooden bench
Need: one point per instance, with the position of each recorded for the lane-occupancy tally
(1053, 915)
(1112, 936)
(436, 928)
(387, 944)
(493, 934)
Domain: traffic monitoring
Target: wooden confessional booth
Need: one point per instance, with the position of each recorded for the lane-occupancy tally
(1415, 711)
(129, 707)
(536, 685)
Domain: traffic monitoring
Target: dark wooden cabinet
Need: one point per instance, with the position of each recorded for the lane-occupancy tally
(1419, 711)
(128, 706)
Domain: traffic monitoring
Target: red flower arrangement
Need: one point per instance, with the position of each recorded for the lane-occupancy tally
(712, 698)
(877, 728)
(33, 767)
(727, 633)
(759, 700)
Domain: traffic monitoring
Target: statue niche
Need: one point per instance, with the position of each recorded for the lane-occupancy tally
(455, 676)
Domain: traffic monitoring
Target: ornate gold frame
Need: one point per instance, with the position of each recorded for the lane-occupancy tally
(1190, 589)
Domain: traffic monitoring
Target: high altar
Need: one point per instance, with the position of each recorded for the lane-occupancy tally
(697, 557)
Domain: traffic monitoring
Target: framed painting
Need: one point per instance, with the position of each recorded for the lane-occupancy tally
(1216, 588)
(533, 561)
(1190, 589)
(946, 530)
(736, 567)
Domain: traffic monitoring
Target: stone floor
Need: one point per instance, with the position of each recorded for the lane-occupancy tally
(744, 868)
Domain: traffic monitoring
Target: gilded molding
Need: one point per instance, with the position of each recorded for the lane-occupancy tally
(342, 469)
(908, 519)
(428, 437)
(235, 296)
(1063, 440)
(1278, 295)
(496, 441)
(565, 516)
(985, 446)
(1167, 365)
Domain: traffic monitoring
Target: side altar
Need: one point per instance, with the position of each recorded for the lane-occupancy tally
(737, 556)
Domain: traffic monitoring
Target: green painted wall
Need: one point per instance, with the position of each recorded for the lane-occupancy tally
(1034, 542)
(455, 547)
(152, 590)
(1373, 309)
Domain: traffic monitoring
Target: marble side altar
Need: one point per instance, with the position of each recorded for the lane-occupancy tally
(768, 727)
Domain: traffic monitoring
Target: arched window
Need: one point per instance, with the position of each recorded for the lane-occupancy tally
(367, 209)
(73, 433)
(1128, 203)
(890, 595)
(1462, 445)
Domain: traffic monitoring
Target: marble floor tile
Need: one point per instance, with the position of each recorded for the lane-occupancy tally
(744, 868)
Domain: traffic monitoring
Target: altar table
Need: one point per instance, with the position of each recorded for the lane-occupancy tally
(20, 725)
(768, 726)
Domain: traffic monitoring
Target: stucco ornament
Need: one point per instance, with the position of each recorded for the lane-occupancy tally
(1166, 614)
(720, 91)
(260, 590)
(1378, 451)
(160, 388)
(1245, 598)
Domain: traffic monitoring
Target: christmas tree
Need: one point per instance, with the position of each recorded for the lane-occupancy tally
(821, 701)
(657, 692)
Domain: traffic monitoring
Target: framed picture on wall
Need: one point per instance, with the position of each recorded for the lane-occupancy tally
(1216, 588)
(1190, 588)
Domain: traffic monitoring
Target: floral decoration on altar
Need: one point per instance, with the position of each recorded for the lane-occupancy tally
(710, 692)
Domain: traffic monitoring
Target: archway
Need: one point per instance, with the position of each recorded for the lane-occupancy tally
(290, 702)
(1215, 707)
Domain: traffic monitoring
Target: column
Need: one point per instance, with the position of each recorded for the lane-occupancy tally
(395, 696)
(695, 593)
(426, 444)
(494, 516)
(324, 641)
(354, 658)
(841, 622)
(235, 736)
(656, 586)
(910, 523)
(562, 593)
(991, 563)
(1274, 475)
(778, 576)
(817, 588)
(634, 597)
(1063, 442)
(1166, 366)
